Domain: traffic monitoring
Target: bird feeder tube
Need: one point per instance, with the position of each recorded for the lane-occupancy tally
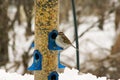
(46, 20)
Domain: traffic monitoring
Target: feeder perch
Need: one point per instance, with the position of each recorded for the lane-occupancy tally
(51, 41)
(59, 64)
(37, 61)
(33, 45)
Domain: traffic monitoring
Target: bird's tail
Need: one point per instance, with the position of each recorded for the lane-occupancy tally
(73, 46)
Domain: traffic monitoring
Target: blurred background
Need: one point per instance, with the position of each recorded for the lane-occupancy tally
(98, 30)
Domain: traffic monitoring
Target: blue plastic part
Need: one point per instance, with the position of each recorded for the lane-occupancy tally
(53, 76)
(51, 41)
(33, 45)
(59, 64)
(37, 61)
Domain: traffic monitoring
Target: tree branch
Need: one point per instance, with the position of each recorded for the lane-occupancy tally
(87, 30)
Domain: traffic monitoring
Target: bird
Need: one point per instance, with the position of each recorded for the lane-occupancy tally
(62, 41)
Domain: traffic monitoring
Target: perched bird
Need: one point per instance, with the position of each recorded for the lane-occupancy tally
(62, 41)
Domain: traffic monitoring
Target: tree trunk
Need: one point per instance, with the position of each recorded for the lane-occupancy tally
(116, 46)
(117, 18)
(3, 33)
(46, 19)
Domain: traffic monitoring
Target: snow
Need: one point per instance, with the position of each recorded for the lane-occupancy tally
(69, 74)
(11, 12)
(73, 75)
(14, 76)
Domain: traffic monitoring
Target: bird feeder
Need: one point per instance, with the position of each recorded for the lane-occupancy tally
(46, 20)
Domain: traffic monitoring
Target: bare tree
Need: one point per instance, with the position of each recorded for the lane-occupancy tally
(3, 32)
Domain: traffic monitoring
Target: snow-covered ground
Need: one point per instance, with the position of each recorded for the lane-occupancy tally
(67, 75)
(72, 74)
(14, 76)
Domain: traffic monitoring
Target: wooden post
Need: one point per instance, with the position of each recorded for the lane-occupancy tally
(46, 19)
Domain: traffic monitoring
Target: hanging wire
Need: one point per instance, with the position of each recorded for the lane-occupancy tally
(76, 34)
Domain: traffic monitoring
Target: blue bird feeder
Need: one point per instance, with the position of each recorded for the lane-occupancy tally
(59, 64)
(37, 61)
(33, 45)
(53, 76)
(51, 41)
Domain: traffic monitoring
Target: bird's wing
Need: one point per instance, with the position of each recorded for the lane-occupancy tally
(66, 40)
